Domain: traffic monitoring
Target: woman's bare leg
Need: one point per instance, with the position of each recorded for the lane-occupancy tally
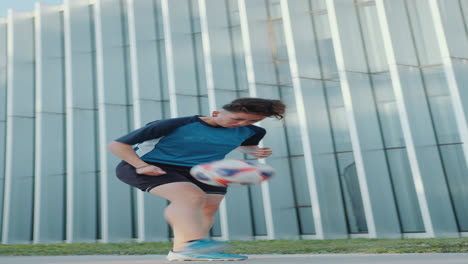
(210, 209)
(185, 212)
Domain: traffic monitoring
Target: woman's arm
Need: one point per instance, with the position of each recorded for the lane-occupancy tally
(259, 153)
(126, 152)
(246, 149)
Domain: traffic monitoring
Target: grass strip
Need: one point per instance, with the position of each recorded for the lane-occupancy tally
(433, 245)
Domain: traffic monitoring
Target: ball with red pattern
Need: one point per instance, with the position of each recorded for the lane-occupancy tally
(232, 172)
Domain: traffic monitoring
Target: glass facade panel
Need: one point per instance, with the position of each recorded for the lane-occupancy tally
(338, 117)
(316, 5)
(372, 37)
(388, 111)
(457, 180)
(304, 206)
(239, 61)
(233, 11)
(441, 105)
(464, 10)
(258, 211)
(274, 7)
(293, 128)
(424, 36)
(400, 171)
(405, 193)
(284, 75)
(280, 50)
(352, 194)
(325, 45)
(449, 141)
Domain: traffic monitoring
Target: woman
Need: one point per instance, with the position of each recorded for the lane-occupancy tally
(164, 152)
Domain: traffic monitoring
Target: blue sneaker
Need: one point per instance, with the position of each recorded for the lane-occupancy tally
(201, 246)
(226, 256)
(176, 256)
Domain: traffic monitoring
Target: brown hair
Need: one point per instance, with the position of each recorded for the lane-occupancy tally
(259, 106)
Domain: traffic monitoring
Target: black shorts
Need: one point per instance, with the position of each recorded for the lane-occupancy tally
(127, 173)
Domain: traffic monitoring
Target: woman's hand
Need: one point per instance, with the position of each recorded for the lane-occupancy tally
(262, 153)
(150, 170)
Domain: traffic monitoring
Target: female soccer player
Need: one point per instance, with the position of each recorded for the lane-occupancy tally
(157, 159)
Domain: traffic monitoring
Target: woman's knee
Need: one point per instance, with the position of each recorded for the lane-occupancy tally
(210, 210)
(212, 205)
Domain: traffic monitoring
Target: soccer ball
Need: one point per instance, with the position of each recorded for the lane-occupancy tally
(232, 172)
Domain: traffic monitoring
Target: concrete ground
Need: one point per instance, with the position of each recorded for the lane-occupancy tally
(435, 258)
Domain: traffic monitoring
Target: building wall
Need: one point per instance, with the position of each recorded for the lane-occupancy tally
(372, 144)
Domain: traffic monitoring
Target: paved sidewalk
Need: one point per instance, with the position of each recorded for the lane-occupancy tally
(436, 258)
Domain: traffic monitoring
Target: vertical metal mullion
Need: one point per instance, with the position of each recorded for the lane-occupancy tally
(327, 103)
(181, 71)
(325, 227)
(236, 85)
(147, 96)
(97, 124)
(262, 81)
(351, 65)
(453, 48)
(112, 106)
(253, 92)
(125, 24)
(137, 110)
(379, 119)
(211, 97)
(19, 163)
(194, 52)
(288, 151)
(169, 58)
(450, 55)
(38, 157)
(49, 147)
(3, 110)
(102, 183)
(294, 68)
(220, 80)
(82, 221)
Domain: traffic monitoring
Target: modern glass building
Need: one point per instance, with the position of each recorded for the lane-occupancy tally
(373, 144)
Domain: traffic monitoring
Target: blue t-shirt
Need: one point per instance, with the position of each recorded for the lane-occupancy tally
(188, 141)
